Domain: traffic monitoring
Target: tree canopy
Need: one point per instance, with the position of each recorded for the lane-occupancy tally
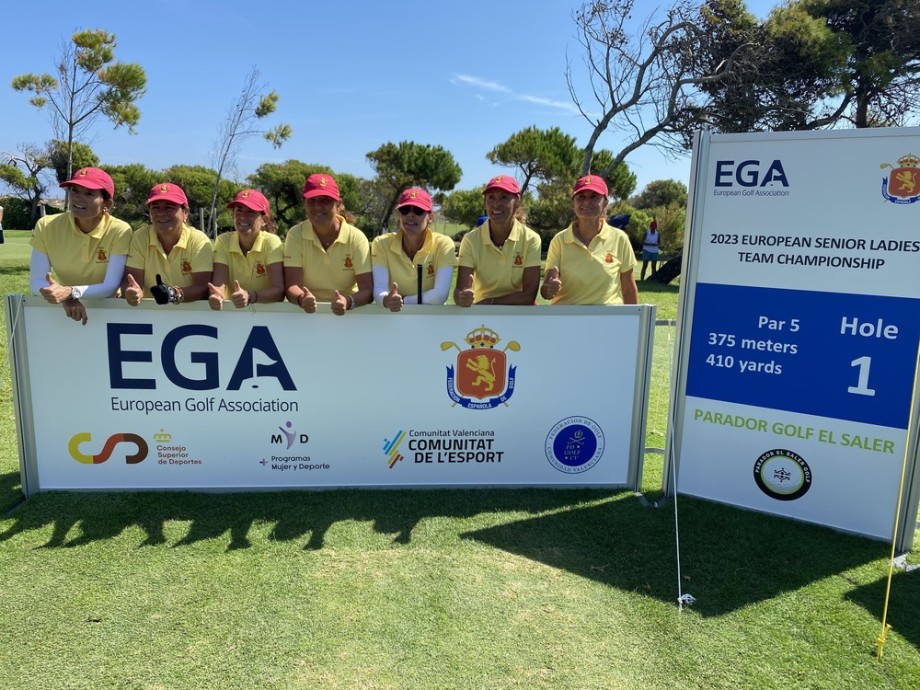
(89, 84)
(538, 153)
(406, 164)
(243, 121)
(82, 156)
(23, 174)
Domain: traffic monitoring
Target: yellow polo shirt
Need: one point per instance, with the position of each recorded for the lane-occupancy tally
(591, 275)
(80, 258)
(498, 272)
(251, 269)
(325, 271)
(436, 253)
(192, 254)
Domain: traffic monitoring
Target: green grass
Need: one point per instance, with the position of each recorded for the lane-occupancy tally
(435, 589)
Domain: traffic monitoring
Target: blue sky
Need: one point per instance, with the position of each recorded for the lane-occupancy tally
(351, 76)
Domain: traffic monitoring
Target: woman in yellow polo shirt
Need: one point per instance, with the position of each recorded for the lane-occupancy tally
(396, 257)
(590, 262)
(85, 247)
(169, 260)
(500, 260)
(326, 258)
(250, 259)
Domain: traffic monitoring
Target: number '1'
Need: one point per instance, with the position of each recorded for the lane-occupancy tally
(862, 383)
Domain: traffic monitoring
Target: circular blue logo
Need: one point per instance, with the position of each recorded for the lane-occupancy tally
(574, 445)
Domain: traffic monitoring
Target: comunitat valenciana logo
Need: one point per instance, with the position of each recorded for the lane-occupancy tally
(482, 372)
(782, 474)
(391, 448)
(111, 443)
(902, 184)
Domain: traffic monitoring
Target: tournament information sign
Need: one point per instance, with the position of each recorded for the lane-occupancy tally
(271, 398)
(801, 324)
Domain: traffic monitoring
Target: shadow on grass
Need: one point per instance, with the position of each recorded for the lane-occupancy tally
(730, 558)
(10, 492)
(902, 605)
(295, 515)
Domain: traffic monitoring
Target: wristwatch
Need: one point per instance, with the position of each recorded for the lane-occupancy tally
(76, 293)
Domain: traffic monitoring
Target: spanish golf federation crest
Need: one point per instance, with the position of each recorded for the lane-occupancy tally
(482, 378)
(902, 185)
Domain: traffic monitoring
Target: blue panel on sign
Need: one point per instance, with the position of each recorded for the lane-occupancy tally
(832, 355)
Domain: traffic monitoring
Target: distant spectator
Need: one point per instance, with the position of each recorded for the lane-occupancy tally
(650, 246)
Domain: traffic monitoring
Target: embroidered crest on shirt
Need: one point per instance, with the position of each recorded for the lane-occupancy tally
(518, 260)
(186, 266)
(609, 258)
(101, 256)
(260, 269)
(430, 270)
(348, 264)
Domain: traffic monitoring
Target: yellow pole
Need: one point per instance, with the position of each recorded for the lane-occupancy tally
(880, 640)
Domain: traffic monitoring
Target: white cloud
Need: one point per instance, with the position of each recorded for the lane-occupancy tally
(486, 85)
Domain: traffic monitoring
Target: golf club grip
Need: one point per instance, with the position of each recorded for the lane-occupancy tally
(418, 271)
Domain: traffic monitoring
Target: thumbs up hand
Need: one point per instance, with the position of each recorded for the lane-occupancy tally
(339, 304)
(393, 301)
(307, 301)
(161, 292)
(54, 293)
(215, 296)
(464, 295)
(239, 296)
(551, 283)
(133, 292)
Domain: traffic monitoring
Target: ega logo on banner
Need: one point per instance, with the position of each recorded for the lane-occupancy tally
(259, 339)
(750, 173)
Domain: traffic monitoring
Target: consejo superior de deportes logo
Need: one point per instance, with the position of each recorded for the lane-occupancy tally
(107, 449)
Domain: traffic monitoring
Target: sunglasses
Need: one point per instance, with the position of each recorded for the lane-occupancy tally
(406, 210)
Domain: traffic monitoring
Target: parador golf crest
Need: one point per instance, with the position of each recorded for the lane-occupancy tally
(482, 378)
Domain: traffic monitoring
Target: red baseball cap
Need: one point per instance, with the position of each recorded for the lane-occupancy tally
(415, 196)
(321, 184)
(252, 199)
(505, 183)
(591, 183)
(167, 191)
(91, 178)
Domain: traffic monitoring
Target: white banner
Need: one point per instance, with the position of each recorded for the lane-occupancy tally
(183, 397)
(804, 321)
